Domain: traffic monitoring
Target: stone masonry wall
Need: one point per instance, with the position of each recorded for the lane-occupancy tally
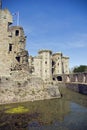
(76, 77)
(25, 89)
(5, 21)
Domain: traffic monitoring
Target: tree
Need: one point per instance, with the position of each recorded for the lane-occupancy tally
(81, 68)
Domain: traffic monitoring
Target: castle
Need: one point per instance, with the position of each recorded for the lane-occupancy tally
(28, 78)
(47, 65)
(14, 57)
(23, 77)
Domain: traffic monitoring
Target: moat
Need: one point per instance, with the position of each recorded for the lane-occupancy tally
(67, 113)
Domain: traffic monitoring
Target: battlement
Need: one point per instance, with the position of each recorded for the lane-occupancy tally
(44, 51)
(58, 54)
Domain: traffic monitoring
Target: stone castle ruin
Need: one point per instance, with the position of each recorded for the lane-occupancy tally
(47, 65)
(13, 55)
(23, 77)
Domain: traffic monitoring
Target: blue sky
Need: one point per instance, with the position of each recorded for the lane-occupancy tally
(58, 25)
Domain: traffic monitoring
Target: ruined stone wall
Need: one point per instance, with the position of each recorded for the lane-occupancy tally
(5, 21)
(16, 83)
(19, 54)
(75, 77)
(37, 66)
(78, 87)
(18, 38)
(24, 88)
(13, 55)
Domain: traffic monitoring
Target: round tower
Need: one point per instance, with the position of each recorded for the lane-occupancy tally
(46, 56)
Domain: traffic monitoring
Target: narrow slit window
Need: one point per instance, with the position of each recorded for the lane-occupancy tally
(45, 62)
(10, 47)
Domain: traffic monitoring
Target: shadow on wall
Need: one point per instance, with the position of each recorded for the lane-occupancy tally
(80, 88)
(58, 78)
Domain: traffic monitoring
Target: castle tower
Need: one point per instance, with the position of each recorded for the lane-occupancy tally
(37, 62)
(13, 55)
(17, 50)
(46, 68)
(65, 64)
(57, 63)
(5, 22)
(18, 38)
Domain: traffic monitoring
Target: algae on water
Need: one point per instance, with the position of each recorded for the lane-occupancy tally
(16, 110)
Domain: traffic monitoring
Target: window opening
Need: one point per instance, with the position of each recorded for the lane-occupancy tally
(53, 78)
(53, 63)
(59, 78)
(45, 70)
(45, 62)
(18, 59)
(10, 47)
(17, 33)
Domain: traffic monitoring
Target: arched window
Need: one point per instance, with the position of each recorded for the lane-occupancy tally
(84, 78)
(59, 78)
(68, 79)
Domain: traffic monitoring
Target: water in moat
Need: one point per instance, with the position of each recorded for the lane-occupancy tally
(67, 113)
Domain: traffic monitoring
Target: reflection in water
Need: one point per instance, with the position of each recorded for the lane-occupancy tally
(68, 113)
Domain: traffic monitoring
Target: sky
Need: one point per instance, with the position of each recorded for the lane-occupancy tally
(57, 25)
